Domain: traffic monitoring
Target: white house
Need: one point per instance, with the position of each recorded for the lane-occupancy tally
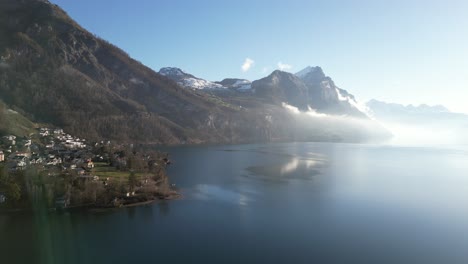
(10, 139)
(27, 143)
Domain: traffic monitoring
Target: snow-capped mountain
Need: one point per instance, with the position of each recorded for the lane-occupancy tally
(309, 88)
(413, 114)
(187, 80)
(236, 84)
(383, 108)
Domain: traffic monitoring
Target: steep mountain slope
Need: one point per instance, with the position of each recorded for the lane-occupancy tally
(60, 73)
(309, 88)
(324, 96)
(281, 87)
(14, 123)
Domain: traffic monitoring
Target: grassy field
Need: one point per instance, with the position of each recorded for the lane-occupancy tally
(102, 170)
(16, 124)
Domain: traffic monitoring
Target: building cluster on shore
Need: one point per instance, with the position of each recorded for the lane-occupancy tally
(63, 167)
(46, 148)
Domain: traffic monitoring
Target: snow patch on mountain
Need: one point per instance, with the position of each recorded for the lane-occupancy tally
(240, 85)
(196, 83)
(187, 80)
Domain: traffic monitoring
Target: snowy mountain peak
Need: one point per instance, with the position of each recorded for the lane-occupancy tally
(187, 80)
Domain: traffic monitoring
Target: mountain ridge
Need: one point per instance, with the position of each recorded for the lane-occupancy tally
(56, 72)
(309, 88)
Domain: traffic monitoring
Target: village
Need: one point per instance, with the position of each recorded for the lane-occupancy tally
(68, 171)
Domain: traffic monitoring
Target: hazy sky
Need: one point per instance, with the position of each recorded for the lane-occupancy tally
(397, 51)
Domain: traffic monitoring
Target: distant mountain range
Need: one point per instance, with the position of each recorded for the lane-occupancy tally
(421, 124)
(307, 89)
(53, 71)
(412, 114)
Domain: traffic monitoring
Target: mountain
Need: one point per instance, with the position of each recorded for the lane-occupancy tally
(14, 123)
(309, 88)
(410, 113)
(421, 124)
(187, 80)
(324, 96)
(281, 87)
(55, 72)
(382, 108)
(241, 85)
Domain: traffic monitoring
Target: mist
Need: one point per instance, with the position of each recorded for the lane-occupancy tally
(435, 133)
(338, 127)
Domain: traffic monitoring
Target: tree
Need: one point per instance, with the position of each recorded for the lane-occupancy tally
(3, 120)
(132, 181)
(9, 186)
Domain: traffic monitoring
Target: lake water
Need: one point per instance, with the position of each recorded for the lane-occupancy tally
(275, 203)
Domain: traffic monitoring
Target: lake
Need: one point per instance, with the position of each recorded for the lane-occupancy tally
(272, 203)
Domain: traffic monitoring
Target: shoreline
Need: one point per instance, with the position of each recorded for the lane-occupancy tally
(91, 208)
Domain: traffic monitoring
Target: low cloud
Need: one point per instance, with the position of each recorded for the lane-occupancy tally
(248, 63)
(283, 66)
(305, 126)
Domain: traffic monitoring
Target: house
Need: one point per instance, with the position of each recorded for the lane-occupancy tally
(43, 131)
(21, 155)
(54, 161)
(36, 160)
(21, 164)
(2, 156)
(27, 143)
(89, 164)
(11, 140)
(18, 160)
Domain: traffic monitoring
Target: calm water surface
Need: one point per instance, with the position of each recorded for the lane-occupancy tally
(278, 203)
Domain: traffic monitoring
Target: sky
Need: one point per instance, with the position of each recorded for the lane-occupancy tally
(399, 51)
